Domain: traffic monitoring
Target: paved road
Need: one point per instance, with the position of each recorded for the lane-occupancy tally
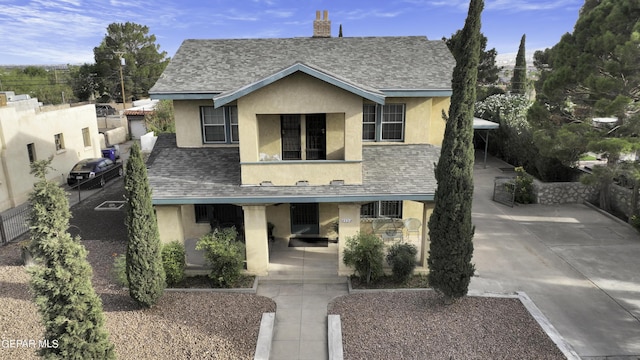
(580, 267)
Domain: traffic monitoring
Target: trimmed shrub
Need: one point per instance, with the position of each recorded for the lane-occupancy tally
(524, 187)
(224, 253)
(145, 272)
(174, 261)
(364, 252)
(402, 258)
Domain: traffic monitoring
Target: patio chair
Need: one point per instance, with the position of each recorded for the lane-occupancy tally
(412, 226)
(387, 229)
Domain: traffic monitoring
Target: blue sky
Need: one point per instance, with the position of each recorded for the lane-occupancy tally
(66, 31)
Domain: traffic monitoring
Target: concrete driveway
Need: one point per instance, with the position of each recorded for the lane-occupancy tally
(579, 266)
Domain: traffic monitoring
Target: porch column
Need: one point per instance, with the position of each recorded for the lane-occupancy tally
(257, 244)
(427, 210)
(349, 225)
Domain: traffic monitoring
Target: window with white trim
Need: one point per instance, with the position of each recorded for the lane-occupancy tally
(233, 119)
(369, 122)
(58, 139)
(86, 137)
(219, 126)
(213, 125)
(383, 122)
(382, 209)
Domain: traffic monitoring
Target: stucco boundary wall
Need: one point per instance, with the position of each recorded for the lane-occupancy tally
(576, 192)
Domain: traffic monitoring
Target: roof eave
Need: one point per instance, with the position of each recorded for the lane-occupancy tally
(292, 199)
(183, 95)
(417, 92)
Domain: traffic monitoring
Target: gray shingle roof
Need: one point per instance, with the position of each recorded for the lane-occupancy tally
(382, 63)
(199, 175)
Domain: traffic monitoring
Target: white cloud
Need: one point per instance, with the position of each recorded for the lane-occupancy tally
(362, 14)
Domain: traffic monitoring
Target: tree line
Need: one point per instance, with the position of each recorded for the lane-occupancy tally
(126, 46)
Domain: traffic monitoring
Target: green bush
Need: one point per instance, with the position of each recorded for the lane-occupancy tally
(524, 187)
(224, 253)
(120, 270)
(173, 259)
(402, 258)
(365, 253)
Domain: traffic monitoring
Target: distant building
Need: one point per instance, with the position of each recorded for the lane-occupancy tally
(33, 132)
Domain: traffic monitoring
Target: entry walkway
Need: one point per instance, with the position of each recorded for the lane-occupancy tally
(302, 282)
(579, 266)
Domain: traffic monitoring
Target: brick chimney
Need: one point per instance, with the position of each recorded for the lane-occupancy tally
(322, 27)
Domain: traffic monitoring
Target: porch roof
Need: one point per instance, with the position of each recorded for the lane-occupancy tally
(212, 175)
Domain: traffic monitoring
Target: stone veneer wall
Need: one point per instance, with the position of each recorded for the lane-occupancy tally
(563, 192)
(621, 199)
(575, 192)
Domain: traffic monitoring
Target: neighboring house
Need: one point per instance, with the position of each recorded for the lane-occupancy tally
(300, 133)
(136, 117)
(30, 132)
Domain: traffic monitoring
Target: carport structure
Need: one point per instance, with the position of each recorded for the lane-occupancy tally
(486, 125)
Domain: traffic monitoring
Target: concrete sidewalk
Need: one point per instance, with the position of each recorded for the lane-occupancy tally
(579, 266)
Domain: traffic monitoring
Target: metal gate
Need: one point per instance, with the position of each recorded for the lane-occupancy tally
(504, 190)
(13, 223)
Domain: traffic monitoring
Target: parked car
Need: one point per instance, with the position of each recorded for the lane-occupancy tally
(94, 172)
(104, 110)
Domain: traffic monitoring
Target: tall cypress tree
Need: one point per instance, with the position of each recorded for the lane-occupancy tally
(61, 281)
(450, 227)
(145, 271)
(519, 79)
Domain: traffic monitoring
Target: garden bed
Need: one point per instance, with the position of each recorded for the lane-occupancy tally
(389, 282)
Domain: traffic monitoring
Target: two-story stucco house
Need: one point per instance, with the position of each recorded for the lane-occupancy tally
(300, 133)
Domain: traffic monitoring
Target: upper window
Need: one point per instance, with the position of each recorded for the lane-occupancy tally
(369, 122)
(86, 137)
(219, 125)
(380, 209)
(383, 122)
(59, 141)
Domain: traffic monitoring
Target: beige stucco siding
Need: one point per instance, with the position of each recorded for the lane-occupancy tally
(423, 121)
(188, 126)
(259, 127)
(21, 127)
(170, 223)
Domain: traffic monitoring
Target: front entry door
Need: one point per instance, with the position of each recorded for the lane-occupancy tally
(305, 219)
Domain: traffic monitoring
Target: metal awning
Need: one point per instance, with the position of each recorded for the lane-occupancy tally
(482, 124)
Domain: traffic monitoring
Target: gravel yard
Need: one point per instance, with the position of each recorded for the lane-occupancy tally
(182, 325)
(418, 325)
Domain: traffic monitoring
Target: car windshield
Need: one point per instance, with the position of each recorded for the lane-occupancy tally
(83, 166)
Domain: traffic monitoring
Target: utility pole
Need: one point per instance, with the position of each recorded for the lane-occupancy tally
(124, 102)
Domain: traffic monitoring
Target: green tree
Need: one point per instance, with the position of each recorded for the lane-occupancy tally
(591, 72)
(450, 227)
(145, 271)
(143, 66)
(487, 69)
(162, 120)
(61, 281)
(519, 79)
(513, 140)
(84, 81)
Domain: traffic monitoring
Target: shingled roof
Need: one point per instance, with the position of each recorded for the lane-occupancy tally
(189, 176)
(386, 64)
